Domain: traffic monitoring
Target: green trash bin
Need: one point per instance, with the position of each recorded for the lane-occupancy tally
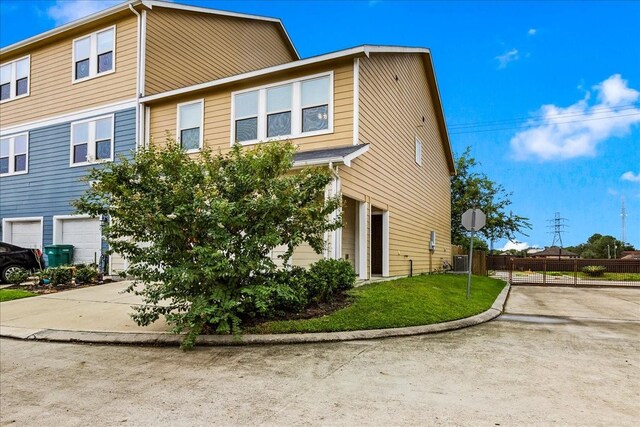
(58, 255)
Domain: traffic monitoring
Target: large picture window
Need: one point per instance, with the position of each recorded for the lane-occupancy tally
(296, 108)
(94, 55)
(190, 125)
(92, 141)
(14, 154)
(14, 79)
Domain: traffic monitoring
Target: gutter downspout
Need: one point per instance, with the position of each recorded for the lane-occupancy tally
(139, 111)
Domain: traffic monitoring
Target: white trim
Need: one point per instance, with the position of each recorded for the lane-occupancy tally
(57, 230)
(349, 157)
(91, 141)
(93, 56)
(12, 155)
(201, 133)
(356, 101)
(360, 50)
(7, 227)
(75, 116)
(296, 110)
(13, 80)
(385, 244)
(346, 160)
(362, 240)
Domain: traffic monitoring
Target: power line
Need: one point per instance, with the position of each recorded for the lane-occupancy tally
(541, 117)
(538, 124)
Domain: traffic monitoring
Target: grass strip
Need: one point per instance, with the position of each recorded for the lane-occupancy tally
(412, 301)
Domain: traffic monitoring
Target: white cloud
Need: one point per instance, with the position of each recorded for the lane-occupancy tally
(630, 176)
(507, 57)
(69, 10)
(576, 130)
(518, 246)
(532, 31)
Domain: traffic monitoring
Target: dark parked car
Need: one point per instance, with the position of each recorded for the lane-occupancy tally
(13, 258)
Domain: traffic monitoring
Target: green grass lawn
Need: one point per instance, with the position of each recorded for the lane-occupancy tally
(419, 300)
(10, 294)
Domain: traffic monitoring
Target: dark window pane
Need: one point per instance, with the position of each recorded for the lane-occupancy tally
(279, 124)
(4, 165)
(21, 163)
(247, 129)
(79, 153)
(82, 68)
(105, 62)
(22, 86)
(5, 91)
(103, 149)
(190, 139)
(315, 118)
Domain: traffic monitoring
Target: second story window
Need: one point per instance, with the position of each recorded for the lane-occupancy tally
(14, 79)
(418, 152)
(94, 55)
(92, 141)
(189, 130)
(296, 108)
(14, 153)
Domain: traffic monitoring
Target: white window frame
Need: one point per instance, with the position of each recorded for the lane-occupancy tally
(12, 155)
(91, 141)
(179, 129)
(93, 56)
(13, 80)
(418, 147)
(296, 110)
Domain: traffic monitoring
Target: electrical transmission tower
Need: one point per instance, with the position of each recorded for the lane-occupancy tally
(623, 217)
(557, 225)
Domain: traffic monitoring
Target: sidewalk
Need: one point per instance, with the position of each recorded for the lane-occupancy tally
(101, 314)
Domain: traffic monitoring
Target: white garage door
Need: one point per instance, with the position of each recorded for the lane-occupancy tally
(84, 235)
(27, 234)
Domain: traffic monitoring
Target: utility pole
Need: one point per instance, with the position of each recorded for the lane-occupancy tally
(557, 225)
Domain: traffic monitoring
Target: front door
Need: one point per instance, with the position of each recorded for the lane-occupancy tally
(376, 245)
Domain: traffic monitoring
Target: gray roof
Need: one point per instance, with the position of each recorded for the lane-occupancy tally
(326, 155)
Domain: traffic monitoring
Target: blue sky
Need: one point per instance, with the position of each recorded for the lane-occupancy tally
(547, 94)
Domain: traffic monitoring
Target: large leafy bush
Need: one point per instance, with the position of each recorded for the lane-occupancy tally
(198, 231)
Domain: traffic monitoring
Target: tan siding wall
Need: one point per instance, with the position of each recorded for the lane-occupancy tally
(304, 256)
(51, 90)
(186, 48)
(349, 226)
(418, 198)
(217, 108)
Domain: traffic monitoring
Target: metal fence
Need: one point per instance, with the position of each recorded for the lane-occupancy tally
(573, 272)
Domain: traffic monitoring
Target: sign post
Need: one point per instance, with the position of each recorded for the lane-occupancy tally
(473, 220)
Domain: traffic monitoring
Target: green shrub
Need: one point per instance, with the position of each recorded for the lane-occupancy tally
(329, 277)
(86, 274)
(594, 270)
(278, 293)
(18, 276)
(59, 276)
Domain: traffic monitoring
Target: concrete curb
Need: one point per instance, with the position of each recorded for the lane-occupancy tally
(168, 339)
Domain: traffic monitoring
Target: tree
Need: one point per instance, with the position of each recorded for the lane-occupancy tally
(198, 232)
(472, 189)
(601, 247)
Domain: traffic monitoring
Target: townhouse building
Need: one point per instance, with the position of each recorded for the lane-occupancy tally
(69, 100)
(372, 114)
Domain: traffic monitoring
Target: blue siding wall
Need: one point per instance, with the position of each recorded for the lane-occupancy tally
(51, 184)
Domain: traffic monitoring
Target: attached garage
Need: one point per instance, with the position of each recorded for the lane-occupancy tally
(23, 232)
(83, 233)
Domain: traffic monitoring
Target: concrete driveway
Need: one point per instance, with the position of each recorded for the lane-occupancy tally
(559, 356)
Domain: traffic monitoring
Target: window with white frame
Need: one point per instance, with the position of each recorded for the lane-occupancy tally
(14, 79)
(92, 141)
(94, 54)
(290, 109)
(418, 152)
(14, 154)
(189, 131)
